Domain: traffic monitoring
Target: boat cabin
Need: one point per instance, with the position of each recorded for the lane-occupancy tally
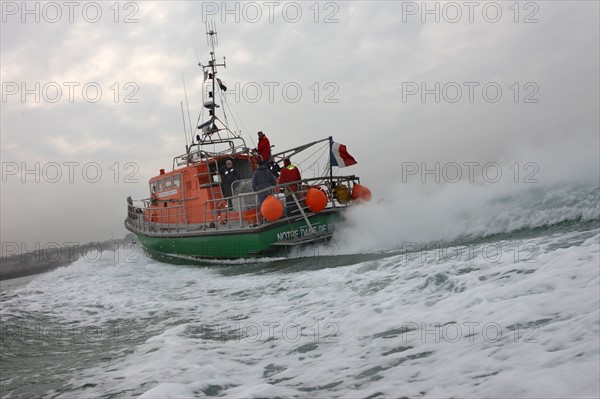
(193, 194)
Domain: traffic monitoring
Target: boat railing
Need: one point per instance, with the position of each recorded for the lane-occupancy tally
(240, 211)
(157, 219)
(199, 154)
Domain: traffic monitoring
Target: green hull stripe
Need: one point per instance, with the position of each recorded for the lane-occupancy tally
(237, 245)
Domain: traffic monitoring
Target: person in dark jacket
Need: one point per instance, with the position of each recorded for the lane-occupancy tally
(264, 147)
(228, 176)
(263, 178)
(274, 167)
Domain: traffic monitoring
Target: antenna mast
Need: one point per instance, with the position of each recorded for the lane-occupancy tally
(210, 72)
(212, 129)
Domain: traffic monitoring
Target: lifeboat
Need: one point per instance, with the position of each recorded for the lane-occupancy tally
(194, 210)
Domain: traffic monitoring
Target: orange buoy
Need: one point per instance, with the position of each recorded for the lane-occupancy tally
(316, 200)
(361, 193)
(271, 208)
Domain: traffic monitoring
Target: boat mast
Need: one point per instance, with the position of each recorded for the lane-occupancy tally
(210, 72)
(211, 38)
(213, 131)
(330, 166)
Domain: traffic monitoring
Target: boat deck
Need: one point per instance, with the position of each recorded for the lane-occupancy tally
(236, 214)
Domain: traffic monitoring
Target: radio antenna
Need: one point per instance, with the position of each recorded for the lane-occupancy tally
(196, 49)
(185, 133)
(188, 107)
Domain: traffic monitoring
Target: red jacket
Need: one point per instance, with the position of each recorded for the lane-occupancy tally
(289, 174)
(264, 148)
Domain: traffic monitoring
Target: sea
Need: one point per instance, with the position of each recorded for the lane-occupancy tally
(468, 293)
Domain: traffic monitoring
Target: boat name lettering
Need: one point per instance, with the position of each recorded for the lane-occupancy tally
(303, 231)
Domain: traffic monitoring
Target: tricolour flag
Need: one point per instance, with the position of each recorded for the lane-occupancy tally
(339, 155)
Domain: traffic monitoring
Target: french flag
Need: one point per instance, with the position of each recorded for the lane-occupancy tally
(339, 155)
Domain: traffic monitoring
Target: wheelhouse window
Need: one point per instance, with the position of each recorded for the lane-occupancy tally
(176, 181)
(161, 185)
(153, 187)
(167, 182)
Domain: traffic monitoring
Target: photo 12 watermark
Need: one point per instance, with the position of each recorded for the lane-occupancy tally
(470, 171)
(53, 12)
(253, 12)
(69, 92)
(452, 12)
(470, 331)
(514, 251)
(283, 92)
(54, 333)
(254, 332)
(19, 254)
(69, 172)
(470, 92)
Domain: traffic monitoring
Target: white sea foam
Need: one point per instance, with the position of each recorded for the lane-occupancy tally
(462, 212)
(506, 327)
(504, 318)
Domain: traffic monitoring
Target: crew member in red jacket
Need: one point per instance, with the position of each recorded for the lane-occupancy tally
(264, 147)
(289, 173)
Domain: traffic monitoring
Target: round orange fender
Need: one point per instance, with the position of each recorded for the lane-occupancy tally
(271, 208)
(361, 193)
(316, 200)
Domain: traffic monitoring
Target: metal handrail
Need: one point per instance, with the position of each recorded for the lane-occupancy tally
(197, 155)
(280, 188)
(136, 217)
(139, 218)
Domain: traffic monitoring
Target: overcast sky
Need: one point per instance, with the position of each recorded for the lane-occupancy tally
(96, 87)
